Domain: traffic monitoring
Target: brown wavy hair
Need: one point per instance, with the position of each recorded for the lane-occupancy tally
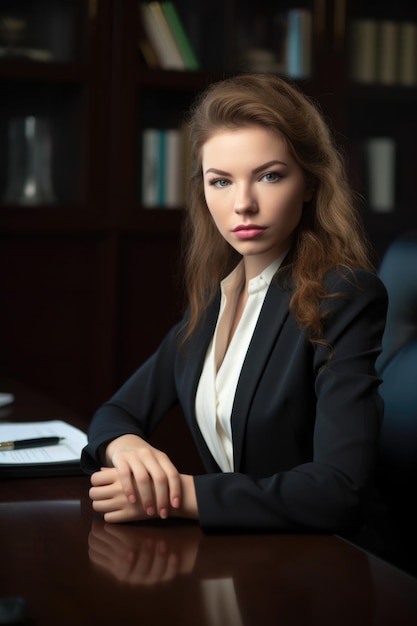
(330, 233)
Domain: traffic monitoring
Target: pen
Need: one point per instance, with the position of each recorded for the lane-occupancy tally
(30, 443)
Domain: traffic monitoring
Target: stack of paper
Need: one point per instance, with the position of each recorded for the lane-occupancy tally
(60, 459)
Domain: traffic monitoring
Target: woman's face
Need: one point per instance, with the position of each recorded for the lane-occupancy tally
(255, 192)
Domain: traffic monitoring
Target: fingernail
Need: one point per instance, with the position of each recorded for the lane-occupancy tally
(150, 510)
(132, 498)
(176, 503)
(163, 513)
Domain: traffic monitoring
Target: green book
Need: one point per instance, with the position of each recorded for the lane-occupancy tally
(180, 35)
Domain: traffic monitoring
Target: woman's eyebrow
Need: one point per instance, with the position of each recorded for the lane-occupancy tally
(260, 168)
(213, 170)
(268, 164)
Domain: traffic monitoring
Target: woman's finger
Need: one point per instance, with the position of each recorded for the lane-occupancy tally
(123, 466)
(152, 485)
(174, 482)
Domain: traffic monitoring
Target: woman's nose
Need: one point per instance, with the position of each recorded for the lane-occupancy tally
(245, 201)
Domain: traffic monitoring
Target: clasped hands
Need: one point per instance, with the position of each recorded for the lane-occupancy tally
(141, 483)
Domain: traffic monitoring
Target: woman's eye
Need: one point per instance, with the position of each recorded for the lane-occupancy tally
(219, 182)
(271, 177)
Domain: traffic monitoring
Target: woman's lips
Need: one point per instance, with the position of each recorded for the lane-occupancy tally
(248, 232)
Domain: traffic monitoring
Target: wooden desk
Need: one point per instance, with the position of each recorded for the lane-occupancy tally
(75, 570)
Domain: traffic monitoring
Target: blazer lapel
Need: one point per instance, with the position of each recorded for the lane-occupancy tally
(271, 319)
(196, 350)
(273, 314)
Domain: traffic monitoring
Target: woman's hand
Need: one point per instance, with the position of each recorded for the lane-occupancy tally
(110, 499)
(141, 484)
(147, 476)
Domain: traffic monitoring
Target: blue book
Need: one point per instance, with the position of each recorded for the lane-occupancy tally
(299, 43)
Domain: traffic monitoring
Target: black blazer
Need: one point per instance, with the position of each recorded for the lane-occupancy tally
(305, 428)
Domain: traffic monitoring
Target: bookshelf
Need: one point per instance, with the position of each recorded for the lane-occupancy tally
(381, 98)
(92, 281)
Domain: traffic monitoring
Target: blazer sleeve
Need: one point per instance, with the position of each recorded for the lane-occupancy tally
(328, 492)
(138, 405)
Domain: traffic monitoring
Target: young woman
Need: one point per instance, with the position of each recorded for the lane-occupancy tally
(273, 363)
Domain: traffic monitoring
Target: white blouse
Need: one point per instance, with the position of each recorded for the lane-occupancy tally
(219, 377)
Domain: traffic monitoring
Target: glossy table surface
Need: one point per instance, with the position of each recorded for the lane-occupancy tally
(73, 569)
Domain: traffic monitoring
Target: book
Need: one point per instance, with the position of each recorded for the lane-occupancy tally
(150, 168)
(363, 50)
(162, 180)
(380, 165)
(55, 460)
(407, 64)
(388, 46)
(190, 59)
(167, 34)
(186, 163)
(174, 166)
(160, 36)
(299, 43)
(146, 47)
(161, 168)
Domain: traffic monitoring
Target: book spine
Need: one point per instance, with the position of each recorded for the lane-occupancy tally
(150, 167)
(162, 166)
(363, 50)
(299, 25)
(380, 158)
(186, 161)
(408, 54)
(174, 191)
(157, 38)
(166, 34)
(388, 53)
(184, 44)
(146, 47)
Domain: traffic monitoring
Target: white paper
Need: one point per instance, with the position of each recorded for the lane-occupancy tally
(67, 450)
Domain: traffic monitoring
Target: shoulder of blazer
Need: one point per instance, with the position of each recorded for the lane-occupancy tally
(339, 280)
(342, 279)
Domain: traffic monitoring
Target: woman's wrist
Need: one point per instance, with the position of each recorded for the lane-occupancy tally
(122, 442)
